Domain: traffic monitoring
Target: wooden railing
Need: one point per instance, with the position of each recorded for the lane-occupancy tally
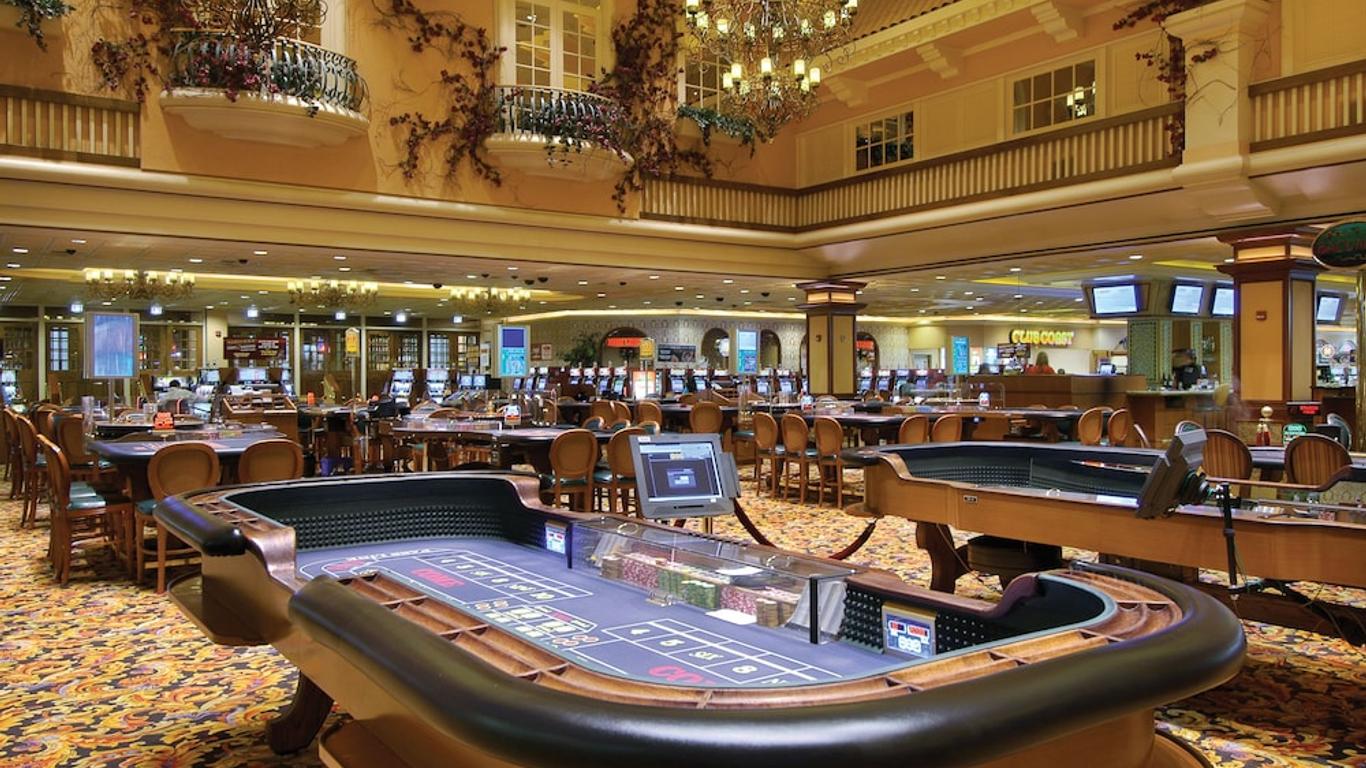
(64, 126)
(1322, 104)
(1086, 151)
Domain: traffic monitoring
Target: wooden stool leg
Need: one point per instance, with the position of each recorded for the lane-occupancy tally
(161, 559)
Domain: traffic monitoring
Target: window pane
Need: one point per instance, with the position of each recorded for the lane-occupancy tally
(1042, 115)
(875, 155)
(861, 159)
(875, 132)
(1022, 119)
(907, 149)
(1042, 86)
(909, 121)
(1021, 92)
(890, 153)
(1062, 81)
(1061, 113)
(891, 128)
(1086, 73)
(860, 137)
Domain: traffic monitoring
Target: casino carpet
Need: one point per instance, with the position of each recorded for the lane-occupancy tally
(101, 673)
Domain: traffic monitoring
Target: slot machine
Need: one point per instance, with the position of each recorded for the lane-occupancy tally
(884, 381)
(209, 382)
(678, 383)
(286, 382)
(517, 382)
(466, 382)
(785, 383)
(763, 383)
(903, 376)
(542, 379)
(721, 379)
(865, 381)
(438, 384)
(700, 381)
(400, 386)
(619, 383)
(575, 377)
(603, 385)
(480, 381)
(9, 386)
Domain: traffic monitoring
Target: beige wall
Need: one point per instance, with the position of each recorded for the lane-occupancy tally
(665, 329)
(1321, 33)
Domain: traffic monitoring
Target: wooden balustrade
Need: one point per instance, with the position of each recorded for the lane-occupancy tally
(64, 126)
(1084, 151)
(1322, 104)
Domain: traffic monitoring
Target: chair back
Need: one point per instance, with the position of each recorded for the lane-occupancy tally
(796, 435)
(914, 430)
(1314, 459)
(182, 467)
(1118, 426)
(1344, 429)
(947, 429)
(603, 410)
(618, 425)
(1226, 455)
(58, 474)
(621, 411)
(574, 454)
(1091, 426)
(42, 421)
(619, 459)
(829, 436)
(451, 414)
(271, 460)
(649, 410)
(1186, 425)
(6, 438)
(688, 398)
(71, 439)
(1139, 437)
(705, 417)
(991, 427)
(650, 427)
(28, 440)
(594, 423)
(765, 431)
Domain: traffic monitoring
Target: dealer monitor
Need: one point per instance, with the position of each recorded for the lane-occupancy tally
(684, 475)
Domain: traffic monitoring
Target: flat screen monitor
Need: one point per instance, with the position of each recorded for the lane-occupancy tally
(1187, 298)
(208, 376)
(114, 338)
(252, 376)
(762, 386)
(676, 384)
(1222, 306)
(785, 386)
(466, 381)
(1174, 479)
(699, 383)
(1330, 308)
(684, 475)
(481, 381)
(1106, 369)
(1119, 299)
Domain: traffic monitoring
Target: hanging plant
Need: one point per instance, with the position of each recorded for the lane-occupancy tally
(709, 120)
(643, 83)
(1169, 62)
(32, 14)
(472, 104)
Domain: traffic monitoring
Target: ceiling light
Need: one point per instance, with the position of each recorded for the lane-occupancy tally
(224, 302)
(744, 290)
(340, 314)
(791, 298)
(244, 296)
(1229, 260)
(1023, 311)
(14, 265)
(940, 277)
(263, 292)
(253, 312)
(727, 281)
(1014, 269)
(343, 269)
(471, 277)
(457, 319)
(407, 282)
(965, 293)
(5, 278)
(196, 260)
(401, 317)
(646, 302)
(602, 295)
(208, 306)
(678, 287)
(654, 277)
(78, 241)
(107, 303)
(698, 296)
(513, 269)
(583, 282)
(1018, 296)
(77, 307)
(1136, 257)
(915, 290)
(155, 310)
(748, 303)
(261, 253)
(1077, 299)
(339, 257)
(611, 306)
(19, 250)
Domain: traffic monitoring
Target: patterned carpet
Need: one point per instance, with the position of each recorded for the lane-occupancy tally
(102, 673)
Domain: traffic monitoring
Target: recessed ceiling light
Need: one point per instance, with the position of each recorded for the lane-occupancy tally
(611, 306)
(5, 278)
(748, 303)
(1077, 299)
(1229, 260)
(583, 282)
(915, 290)
(78, 241)
(263, 292)
(1014, 269)
(965, 293)
(1038, 302)
(1023, 311)
(343, 269)
(940, 277)
(261, 253)
(647, 302)
(540, 302)
(791, 298)
(401, 317)
(196, 260)
(698, 296)
(471, 277)
(339, 257)
(513, 269)
(224, 302)
(1136, 257)
(19, 250)
(602, 295)
(922, 311)
(678, 287)
(728, 281)
(407, 282)
(1018, 296)
(971, 307)
(244, 296)
(208, 306)
(744, 290)
(654, 277)
(14, 265)
(177, 269)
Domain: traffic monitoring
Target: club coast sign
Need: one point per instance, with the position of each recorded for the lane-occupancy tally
(1040, 337)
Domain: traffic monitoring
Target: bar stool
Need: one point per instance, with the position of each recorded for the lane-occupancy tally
(573, 457)
(796, 452)
(1226, 455)
(618, 479)
(766, 449)
(79, 513)
(1119, 426)
(914, 430)
(1090, 426)
(991, 427)
(829, 441)
(270, 461)
(82, 464)
(176, 468)
(947, 429)
(1315, 460)
(34, 467)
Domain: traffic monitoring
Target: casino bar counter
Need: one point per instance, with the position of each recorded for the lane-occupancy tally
(459, 621)
(1056, 390)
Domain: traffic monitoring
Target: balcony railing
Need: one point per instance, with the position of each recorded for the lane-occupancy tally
(1087, 151)
(307, 72)
(65, 126)
(555, 113)
(1312, 106)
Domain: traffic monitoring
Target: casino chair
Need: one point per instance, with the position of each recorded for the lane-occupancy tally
(1344, 429)
(829, 464)
(797, 452)
(573, 458)
(595, 423)
(83, 465)
(705, 418)
(1118, 426)
(621, 411)
(1186, 425)
(914, 430)
(1226, 455)
(1091, 426)
(175, 469)
(43, 418)
(991, 427)
(649, 410)
(1315, 460)
(688, 398)
(767, 448)
(602, 409)
(947, 429)
(617, 425)
(618, 479)
(1139, 437)
(269, 461)
(80, 512)
(33, 465)
(9, 450)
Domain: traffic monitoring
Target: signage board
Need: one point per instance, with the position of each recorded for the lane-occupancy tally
(244, 348)
(746, 351)
(513, 342)
(1342, 245)
(961, 354)
(112, 338)
(1042, 338)
(676, 353)
(647, 348)
(353, 342)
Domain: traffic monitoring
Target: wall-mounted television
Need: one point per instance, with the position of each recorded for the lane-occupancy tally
(1187, 298)
(113, 339)
(1222, 304)
(1329, 309)
(1110, 299)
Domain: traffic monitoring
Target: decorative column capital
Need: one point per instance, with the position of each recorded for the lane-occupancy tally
(1219, 20)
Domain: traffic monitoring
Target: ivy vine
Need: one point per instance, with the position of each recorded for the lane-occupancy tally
(32, 14)
(1170, 63)
(710, 121)
(472, 107)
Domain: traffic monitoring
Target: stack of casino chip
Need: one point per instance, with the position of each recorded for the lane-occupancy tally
(612, 568)
(701, 593)
(767, 613)
(640, 570)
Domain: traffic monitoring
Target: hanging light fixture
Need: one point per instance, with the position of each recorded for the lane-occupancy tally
(487, 300)
(774, 50)
(113, 284)
(349, 294)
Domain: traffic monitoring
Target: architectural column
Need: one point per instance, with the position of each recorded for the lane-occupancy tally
(1273, 274)
(831, 312)
(1218, 115)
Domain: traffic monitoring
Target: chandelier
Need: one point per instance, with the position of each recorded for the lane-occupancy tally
(347, 294)
(111, 284)
(770, 52)
(487, 300)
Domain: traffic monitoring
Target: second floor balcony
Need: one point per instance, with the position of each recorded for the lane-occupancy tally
(558, 133)
(293, 93)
